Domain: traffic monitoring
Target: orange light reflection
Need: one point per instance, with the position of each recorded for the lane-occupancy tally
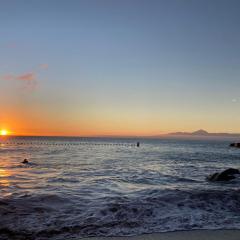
(4, 174)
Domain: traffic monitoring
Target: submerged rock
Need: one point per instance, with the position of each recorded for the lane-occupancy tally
(226, 175)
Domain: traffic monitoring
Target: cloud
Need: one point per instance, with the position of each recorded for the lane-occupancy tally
(29, 80)
(28, 77)
(43, 66)
(11, 45)
(8, 77)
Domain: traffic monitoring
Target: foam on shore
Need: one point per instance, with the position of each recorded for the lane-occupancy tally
(181, 235)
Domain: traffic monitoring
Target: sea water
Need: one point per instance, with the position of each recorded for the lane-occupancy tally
(79, 187)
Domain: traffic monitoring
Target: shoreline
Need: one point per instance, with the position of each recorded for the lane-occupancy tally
(179, 235)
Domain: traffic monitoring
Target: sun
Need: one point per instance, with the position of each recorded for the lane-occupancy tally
(3, 132)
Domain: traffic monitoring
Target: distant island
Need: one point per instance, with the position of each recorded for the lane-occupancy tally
(203, 133)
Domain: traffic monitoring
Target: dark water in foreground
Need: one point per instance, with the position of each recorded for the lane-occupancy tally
(72, 189)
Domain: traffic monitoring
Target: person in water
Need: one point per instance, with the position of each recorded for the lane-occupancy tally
(25, 161)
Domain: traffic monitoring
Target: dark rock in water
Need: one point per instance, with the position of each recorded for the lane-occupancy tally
(226, 175)
(212, 177)
(231, 171)
(25, 161)
(235, 145)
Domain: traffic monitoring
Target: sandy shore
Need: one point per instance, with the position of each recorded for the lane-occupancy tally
(181, 235)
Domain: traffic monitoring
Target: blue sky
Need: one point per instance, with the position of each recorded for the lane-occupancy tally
(120, 67)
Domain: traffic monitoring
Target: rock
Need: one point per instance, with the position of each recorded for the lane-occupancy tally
(212, 177)
(231, 171)
(226, 175)
(237, 145)
(25, 161)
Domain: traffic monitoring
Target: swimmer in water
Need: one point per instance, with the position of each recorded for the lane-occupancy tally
(25, 161)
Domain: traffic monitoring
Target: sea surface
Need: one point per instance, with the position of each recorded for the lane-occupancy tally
(78, 187)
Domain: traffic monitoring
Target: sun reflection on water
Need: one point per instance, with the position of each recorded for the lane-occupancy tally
(4, 174)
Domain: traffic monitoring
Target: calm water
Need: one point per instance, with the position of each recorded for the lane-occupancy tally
(77, 187)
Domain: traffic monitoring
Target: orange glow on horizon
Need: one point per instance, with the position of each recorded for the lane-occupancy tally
(15, 124)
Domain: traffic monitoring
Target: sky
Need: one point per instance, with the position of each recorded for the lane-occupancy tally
(109, 67)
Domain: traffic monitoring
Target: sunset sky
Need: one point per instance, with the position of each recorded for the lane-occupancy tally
(119, 67)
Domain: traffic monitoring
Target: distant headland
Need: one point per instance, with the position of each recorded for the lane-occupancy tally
(203, 133)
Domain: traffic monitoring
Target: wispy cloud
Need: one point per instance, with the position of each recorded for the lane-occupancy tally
(11, 45)
(8, 77)
(29, 80)
(235, 100)
(28, 77)
(43, 66)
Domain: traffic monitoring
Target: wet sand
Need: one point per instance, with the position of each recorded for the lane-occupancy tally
(181, 235)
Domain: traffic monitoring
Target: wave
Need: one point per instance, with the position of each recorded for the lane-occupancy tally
(63, 180)
(147, 211)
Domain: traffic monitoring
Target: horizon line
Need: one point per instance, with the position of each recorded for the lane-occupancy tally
(170, 134)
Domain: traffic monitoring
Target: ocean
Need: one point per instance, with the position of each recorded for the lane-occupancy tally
(79, 187)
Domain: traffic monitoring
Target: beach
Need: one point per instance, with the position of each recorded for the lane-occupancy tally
(181, 235)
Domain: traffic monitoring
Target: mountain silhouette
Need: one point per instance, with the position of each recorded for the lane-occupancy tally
(202, 132)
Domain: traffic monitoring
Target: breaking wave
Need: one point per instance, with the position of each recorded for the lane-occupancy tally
(40, 216)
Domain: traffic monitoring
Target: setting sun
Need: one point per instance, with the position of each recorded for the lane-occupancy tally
(3, 132)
